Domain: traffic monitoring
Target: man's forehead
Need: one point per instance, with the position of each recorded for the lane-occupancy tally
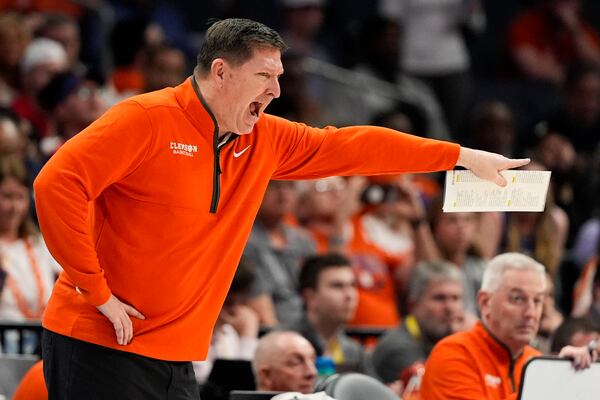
(267, 57)
(532, 287)
(293, 344)
(298, 351)
(522, 279)
(439, 284)
(336, 272)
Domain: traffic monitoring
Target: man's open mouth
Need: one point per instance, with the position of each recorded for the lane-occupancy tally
(255, 108)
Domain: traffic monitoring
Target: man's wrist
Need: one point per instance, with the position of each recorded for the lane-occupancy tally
(465, 157)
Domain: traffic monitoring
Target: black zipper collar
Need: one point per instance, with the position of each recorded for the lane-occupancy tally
(217, 146)
(511, 358)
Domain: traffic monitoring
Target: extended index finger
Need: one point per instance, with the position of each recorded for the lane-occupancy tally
(516, 162)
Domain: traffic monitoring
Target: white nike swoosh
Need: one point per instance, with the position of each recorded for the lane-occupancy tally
(236, 154)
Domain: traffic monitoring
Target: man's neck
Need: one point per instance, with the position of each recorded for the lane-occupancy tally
(208, 93)
(326, 327)
(515, 349)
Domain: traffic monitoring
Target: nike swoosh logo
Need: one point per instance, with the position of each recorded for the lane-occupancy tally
(236, 154)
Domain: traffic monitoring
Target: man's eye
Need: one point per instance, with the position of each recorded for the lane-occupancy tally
(516, 299)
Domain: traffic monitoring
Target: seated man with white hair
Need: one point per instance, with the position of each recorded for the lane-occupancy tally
(486, 362)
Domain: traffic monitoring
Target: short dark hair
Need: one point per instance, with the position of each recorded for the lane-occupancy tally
(234, 39)
(313, 266)
(244, 277)
(564, 333)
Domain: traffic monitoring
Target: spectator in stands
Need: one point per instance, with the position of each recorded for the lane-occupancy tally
(435, 296)
(550, 320)
(164, 66)
(454, 235)
(302, 22)
(434, 48)
(12, 140)
(380, 43)
(64, 29)
(29, 268)
(127, 41)
(15, 143)
(72, 103)
(32, 386)
(586, 242)
(545, 40)
(235, 334)
(540, 234)
(566, 142)
(326, 207)
(328, 287)
(486, 362)
(43, 59)
(574, 332)
(285, 361)
(14, 38)
(587, 291)
(387, 240)
(276, 248)
(492, 128)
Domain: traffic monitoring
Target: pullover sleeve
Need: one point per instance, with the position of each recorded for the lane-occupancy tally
(305, 153)
(102, 154)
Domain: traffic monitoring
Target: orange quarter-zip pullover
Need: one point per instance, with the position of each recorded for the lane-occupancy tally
(145, 204)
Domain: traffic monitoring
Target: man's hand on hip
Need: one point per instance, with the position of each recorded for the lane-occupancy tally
(118, 313)
(487, 165)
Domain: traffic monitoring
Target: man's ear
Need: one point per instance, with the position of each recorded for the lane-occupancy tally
(308, 294)
(483, 299)
(217, 71)
(264, 377)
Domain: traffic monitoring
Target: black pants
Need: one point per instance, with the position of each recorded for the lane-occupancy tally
(77, 370)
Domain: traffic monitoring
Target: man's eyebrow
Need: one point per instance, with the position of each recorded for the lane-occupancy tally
(521, 291)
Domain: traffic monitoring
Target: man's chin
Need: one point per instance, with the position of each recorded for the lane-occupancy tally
(525, 337)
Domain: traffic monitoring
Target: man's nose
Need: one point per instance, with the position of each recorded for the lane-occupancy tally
(311, 370)
(274, 89)
(531, 308)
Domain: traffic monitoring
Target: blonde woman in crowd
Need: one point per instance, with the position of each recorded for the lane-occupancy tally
(27, 268)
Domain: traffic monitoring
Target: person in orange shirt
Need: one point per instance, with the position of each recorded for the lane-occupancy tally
(486, 362)
(32, 386)
(149, 208)
(546, 40)
(388, 239)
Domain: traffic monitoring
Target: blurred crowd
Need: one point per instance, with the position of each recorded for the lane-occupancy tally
(517, 77)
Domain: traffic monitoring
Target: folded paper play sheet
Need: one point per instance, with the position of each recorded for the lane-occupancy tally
(526, 191)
